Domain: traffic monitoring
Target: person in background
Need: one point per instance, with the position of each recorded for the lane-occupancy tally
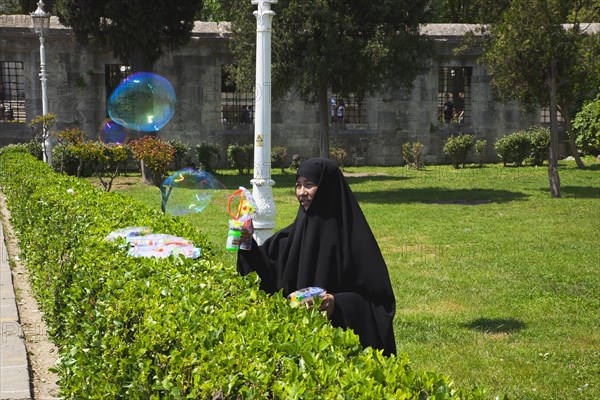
(329, 245)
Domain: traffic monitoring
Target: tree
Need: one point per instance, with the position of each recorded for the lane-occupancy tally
(535, 59)
(468, 11)
(341, 46)
(137, 31)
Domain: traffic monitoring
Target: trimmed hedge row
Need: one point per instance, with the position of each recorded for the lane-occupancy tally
(177, 328)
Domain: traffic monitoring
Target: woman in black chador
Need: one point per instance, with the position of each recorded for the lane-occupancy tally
(329, 245)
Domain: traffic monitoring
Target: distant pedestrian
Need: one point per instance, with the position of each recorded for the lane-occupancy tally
(447, 110)
(340, 112)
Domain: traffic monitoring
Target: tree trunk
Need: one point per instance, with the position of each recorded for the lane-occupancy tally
(324, 119)
(553, 176)
(572, 137)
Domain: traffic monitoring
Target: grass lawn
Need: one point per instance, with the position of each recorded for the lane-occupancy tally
(496, 283)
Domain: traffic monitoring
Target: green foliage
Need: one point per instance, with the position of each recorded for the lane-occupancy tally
(480, 150)
(457, 148)
(42, 125)
(278, 157)
(177, 328)
(517, 147)
(412, 154)
(182, 150)
(208, 155)
(241, 157)
(468, 12)
(340, 156)
(65, 139)
(156, 155)
(539, 138)
(137, 35)
(587, 127)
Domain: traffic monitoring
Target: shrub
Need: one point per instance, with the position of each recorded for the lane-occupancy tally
(156, 155)
(539, 139)
(412, 154)
(457, 148)
(241, 157)
(517, 147)
(480, 150)
(208, 155)
(513, 148)
(339, 155)
(278, 157)
(586, 125)
(178, 328)
(181, 154)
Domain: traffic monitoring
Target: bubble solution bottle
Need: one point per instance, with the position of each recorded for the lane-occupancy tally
(234, 235)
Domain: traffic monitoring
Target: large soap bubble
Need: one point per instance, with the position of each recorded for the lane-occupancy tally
(112, 133)
(142, 102)
(189, 191)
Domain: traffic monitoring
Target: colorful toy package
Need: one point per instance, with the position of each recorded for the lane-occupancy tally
(303, 295)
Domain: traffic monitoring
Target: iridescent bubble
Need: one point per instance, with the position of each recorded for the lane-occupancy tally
(111, 132)
(142, 102)
(189, 191)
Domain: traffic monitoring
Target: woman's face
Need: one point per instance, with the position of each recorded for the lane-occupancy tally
(305, 191)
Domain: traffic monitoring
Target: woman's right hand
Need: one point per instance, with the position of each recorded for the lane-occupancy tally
(246, 233)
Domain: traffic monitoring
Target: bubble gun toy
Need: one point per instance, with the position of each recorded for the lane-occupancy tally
(242, 209)
(304, 295)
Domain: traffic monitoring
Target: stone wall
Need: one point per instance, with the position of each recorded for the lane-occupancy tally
(77, 94)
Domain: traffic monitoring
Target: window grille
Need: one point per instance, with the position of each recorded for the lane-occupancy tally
(354, 109)
(113, 75)
(454, 85)
(12, 91)
(545, 116)
(236, 107)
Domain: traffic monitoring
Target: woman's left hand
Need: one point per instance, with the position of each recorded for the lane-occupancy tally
(328, 304)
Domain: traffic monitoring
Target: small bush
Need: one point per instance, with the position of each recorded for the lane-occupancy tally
(457, 148)
(181, 156)
(519, 146)
(241, 157)
(412, 154)
(586, 125)
(156, 155)
(539, 138)
(513, 148)
(209, 156)
(339, 155)
(278, 157)
(480, 150)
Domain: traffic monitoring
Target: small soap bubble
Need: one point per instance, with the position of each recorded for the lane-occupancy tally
(142, 102)
(112, 133)
(189, 191)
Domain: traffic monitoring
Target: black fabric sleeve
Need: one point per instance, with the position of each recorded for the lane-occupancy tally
(256, 260)
(371, 322)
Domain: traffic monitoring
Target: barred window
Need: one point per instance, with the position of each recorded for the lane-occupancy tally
(12, 91)
(113, 75)
(454, 94)
(545, 116)
(348, 110)
(236, 107)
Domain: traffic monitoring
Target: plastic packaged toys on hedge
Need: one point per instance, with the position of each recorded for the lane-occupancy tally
(142, 243)
(161, 245)
(242, 209)
(304, 295)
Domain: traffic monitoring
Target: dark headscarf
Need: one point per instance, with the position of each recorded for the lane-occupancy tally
(331, 245)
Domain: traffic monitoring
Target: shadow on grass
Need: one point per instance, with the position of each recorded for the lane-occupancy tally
(579, 192)
(496, 325)
(435, 196)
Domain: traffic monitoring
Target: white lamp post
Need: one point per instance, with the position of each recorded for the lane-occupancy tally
(262, 184)
(41, 24)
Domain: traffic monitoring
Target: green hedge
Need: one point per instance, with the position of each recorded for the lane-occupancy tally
(177, 328)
